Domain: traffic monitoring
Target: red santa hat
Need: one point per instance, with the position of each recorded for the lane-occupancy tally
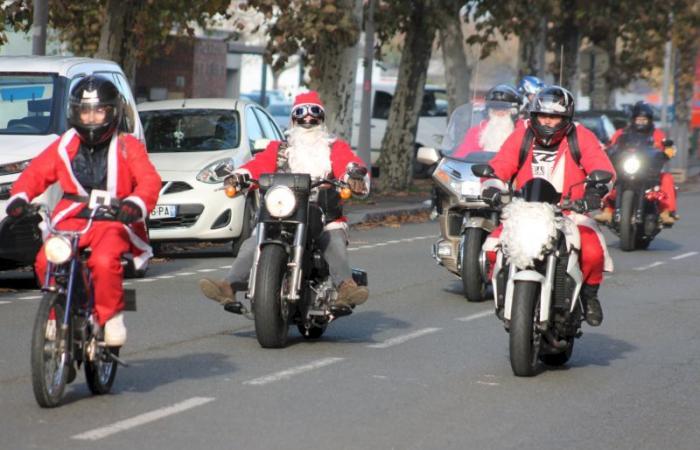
(310, 98)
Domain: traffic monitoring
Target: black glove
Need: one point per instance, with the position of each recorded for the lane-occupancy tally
(492, 196)
(17, 208)
(593, 196)
(129, 212)
(237, 180)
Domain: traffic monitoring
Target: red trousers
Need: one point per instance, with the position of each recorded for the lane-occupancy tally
(108, 241)
(591, 258)
(666, 185)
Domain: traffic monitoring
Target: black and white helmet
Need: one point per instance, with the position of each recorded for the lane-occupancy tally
(554, 101)
(93, 93)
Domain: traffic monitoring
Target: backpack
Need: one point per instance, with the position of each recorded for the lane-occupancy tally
(571, 138)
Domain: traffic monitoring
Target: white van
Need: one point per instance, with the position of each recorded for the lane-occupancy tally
(432, 122)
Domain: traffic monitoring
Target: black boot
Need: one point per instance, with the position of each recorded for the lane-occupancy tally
(591, 305)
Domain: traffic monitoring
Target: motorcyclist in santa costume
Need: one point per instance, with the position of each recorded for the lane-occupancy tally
(549, 157)
(94, 155)
(309, 149)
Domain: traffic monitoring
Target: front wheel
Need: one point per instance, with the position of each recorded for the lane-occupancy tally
(524, 338)
(101, 372)
(49, 353)
(628, 230)
(271, 326)
(472, 280)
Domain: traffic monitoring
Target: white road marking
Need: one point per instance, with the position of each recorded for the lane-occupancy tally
(685, 255)
(207, 270)
(476, 316)
(142, 419)
(406, 337)
(165, 277)
(649, 266)
(395, 241)
(146, 280)
(29, 297)
(126, 283)
(225, 267)
(284, 374)
(182, 274)
(3, 302)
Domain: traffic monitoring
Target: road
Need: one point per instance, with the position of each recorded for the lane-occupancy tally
(417, 367)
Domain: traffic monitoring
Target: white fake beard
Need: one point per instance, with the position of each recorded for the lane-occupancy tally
(309, 151)
(529, 229)
(496, 131)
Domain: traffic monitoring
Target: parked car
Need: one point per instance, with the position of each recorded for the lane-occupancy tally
(598, 122)
(34, 92)
(271, 96)
(188, 140)
(281, 113)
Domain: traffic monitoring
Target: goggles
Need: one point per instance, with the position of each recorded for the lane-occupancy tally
(306, 110)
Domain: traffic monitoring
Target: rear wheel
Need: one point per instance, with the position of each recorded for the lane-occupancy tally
(524, 339)
(472, 280)
(628, 230)
(101, 372)
(49, 353)
(271, 326)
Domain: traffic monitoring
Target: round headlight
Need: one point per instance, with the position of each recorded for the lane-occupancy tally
(280, 201)
(57, 249)
(631, 165)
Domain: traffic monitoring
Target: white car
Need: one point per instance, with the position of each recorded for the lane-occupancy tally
(187, 141)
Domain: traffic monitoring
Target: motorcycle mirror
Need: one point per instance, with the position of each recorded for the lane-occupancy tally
(427, 156)
(600, 176)
(356, 171)
(483, 171)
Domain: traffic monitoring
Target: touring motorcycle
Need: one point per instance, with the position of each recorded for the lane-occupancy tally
(537, 278)
(290, 281)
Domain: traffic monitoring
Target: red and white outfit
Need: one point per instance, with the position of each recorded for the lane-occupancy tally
(130, 176)
(566, 176)
(472, 141)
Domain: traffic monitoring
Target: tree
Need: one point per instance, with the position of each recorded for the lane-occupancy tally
(17, 15)
(458, 73)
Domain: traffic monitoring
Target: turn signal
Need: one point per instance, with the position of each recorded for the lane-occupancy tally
(231, 191)
(345, 193)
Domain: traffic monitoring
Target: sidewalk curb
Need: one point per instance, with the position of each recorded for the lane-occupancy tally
(367, 216)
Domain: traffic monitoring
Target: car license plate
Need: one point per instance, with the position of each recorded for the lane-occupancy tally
(164, 212)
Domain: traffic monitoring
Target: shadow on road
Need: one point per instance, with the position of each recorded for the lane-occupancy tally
(595, 349)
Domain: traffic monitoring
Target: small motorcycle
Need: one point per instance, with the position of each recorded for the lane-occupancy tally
(537, 278)
(636, 219)
(66, 333)
(290, 280)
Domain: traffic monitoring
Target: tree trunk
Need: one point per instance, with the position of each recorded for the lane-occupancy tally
(457, 71)
(397, 150)
(115, 43)
(336, 68)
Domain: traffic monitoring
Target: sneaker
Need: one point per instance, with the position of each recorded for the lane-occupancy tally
(350, 294)
(667, 218)
(219, 291)
(115, 331)
(605, 216)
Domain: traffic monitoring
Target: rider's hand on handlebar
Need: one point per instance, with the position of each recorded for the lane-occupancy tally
(670, 152)
(128, 212)
(593, 198)
(237, 180)
(17, 208)
(492, 196)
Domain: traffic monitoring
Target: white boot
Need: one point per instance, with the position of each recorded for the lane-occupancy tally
(115, 331)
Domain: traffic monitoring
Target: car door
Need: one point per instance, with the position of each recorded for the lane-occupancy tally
(269, 127)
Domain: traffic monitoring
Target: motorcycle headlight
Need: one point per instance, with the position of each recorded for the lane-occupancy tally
(57, 249)
(280, 201)
(631, 165)
(216, 171)
(15, 167)
(467, 187)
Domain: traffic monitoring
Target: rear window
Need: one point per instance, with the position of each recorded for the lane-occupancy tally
(190, 130)
(26, 103)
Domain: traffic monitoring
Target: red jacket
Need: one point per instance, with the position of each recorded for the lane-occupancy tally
(658, 137)
(566, 173)
(130, 175)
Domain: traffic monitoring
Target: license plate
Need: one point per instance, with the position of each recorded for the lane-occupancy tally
(164, 212)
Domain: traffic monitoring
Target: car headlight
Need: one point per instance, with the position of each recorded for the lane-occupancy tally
(216, 171)
(631, 165)
(15, 167)
(57, 249)
(280, 201)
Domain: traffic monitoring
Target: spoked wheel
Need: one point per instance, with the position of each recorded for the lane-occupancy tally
(314, 332)
(100, 372)
(49, 353)
(472, 280)
(559, 359)
(524, 338)
(271, 325)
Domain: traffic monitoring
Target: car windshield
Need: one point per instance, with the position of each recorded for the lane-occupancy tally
(191, 130)
(26, 103)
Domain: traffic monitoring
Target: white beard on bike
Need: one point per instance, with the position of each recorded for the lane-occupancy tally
(496, 131)
(529, 229)
(309, 151)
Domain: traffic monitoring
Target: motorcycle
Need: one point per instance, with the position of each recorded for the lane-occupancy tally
(636, 219)
(290, 280)
(66, 334)
(465, 219)
(537, 279)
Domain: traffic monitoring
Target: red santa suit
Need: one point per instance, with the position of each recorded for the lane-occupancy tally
(566, 176)
(472, 139)
(666, 183)
(130, 176)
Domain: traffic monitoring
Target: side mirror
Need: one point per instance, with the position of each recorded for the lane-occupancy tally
(483, 171)
(427, 156)
(259, 145)
(599, 177)
(356, 171)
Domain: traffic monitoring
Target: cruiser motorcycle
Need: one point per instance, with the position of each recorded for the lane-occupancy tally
(537, 278)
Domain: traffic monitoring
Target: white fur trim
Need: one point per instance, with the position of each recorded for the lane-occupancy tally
(142, 259)
(491, 244)
(22, 195)
(583, 220)
(60, 216)
(63, 153)
(138, 201)
(112, 166)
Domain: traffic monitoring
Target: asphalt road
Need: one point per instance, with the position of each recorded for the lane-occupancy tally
(417, 367)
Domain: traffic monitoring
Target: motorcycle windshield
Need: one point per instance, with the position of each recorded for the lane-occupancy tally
(461, 120)
(539, 190)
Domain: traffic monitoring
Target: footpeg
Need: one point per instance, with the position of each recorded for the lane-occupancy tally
(236, 308)
(117, 359)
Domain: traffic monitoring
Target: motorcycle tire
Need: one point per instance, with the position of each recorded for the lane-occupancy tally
(524, 339)
(472, 280)
(628, 230)
(100, 373)
(49, 365)
(247, 226)
(559, 359)
(271, 326)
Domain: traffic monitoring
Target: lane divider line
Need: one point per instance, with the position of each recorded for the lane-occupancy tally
(649, 266)
(29, 297)
(3, 302)
(142, 419)
(685, 255)
(284, 374)
(406, 337)
(146, 280)
(165, 277)
(182, 274)
(476, 316)
(225, 267)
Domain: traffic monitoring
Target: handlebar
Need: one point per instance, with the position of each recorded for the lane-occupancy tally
(101, 212)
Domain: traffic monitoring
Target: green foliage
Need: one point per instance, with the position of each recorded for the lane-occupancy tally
(15, 15)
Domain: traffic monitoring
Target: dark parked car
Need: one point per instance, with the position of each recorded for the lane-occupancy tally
(599, 123)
